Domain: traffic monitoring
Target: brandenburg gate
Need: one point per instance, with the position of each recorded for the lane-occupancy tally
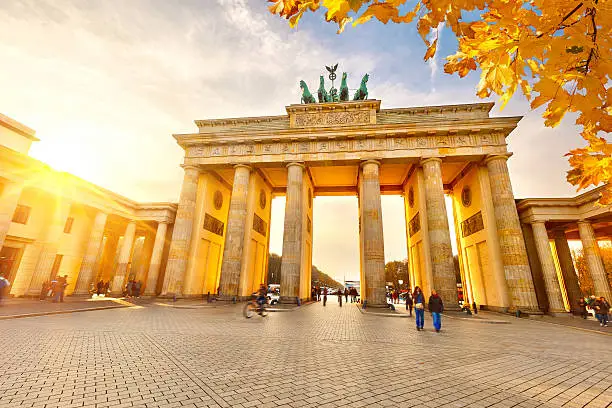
(233, 168)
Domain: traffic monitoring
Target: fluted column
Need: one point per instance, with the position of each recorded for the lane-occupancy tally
(231, 266)
(551, 281)
(49, 247)
(156, 257)
(292, 234)
(443, 268)
(512, 245)
(181, 234)
(601, 286)
(124, 258)
(8, 204)
(88, 266)
(372, 230)
(567, 269)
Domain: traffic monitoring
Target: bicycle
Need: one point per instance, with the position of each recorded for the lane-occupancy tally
(253, 306)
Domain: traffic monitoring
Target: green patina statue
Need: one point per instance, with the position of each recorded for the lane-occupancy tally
(306, 95)
(362, 92)
(322, 93)
(344, 91)
(333, 95)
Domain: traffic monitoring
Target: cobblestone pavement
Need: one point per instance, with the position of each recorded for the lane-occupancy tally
(312, 357)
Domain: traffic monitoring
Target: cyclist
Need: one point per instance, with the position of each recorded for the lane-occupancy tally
(261, 295)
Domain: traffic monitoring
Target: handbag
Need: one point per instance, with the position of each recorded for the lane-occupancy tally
(419, 306)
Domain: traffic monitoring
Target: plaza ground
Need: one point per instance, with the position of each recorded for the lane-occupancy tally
(313, 356)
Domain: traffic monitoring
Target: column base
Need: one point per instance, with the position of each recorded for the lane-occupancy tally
(292, 300)
(559, 313)
(234, 298)
(526, 310)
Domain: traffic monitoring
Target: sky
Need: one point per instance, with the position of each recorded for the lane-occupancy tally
(106, 83)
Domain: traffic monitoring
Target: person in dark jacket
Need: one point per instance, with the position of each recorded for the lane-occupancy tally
(436, 307)
(602, 309)
(346, 293)
(340, 297)
(419, 307)
(409, 303)
(582, 306)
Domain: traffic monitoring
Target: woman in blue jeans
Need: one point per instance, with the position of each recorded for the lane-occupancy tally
(436, 307)
(419, 307)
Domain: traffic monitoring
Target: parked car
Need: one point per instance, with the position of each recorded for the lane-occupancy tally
(273, 298)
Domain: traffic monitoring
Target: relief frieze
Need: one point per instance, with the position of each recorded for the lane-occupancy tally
(409, 142)
(324, 119)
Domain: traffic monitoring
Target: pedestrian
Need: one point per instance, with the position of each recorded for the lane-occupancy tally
(106, 287)
(346, 294)
(409, 303)
(436, 307)
(474, 307)
(602, 308)
(395, 297)
(136, 288)
(582, 306)
(129, 288)
(313, 294)
(324, 296)
(4, 285)
(62, 288)
(44, 291)
(100, 288)
(340, 297)
(419, 307)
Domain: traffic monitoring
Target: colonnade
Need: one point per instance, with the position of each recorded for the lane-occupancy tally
(556, 285)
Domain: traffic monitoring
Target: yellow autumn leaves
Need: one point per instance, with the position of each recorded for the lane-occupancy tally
(558, 52)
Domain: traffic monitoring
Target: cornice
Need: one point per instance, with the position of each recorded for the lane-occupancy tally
(20, 128)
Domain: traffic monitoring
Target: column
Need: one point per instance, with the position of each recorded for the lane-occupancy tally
(88, 266)
(181, 235)
(124, 258)
(292, 234)
(512, 246)
(443, 268)
(49, 246)
(234, 239)
(567, 269)
(8, 203)
(551, 282)
(372, 231)
(601, 286)
(156, 258)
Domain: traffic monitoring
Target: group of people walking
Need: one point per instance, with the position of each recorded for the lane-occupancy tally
(600, 306)
(320, 293)
(434, 305)
(54, 289)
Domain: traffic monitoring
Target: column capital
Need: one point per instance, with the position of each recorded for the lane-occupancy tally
(583, 222)
(243, 166)
(429, 159)
(299, 164)
(371, 161)
(190, 167)
(491, 157)
(538, 222)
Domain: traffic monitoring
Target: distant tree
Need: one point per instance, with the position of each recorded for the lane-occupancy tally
(322, 279)
(584, 277)
(274, 269)
(396, 271)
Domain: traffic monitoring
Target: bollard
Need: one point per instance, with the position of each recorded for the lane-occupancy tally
(298, 301)
(174, 298)
(234, 299)
(518, 313)
(364, 304)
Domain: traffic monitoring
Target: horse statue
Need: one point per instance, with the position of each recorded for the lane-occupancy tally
(306, 95)
(322, 93)
(344, 91)
(362, 92)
